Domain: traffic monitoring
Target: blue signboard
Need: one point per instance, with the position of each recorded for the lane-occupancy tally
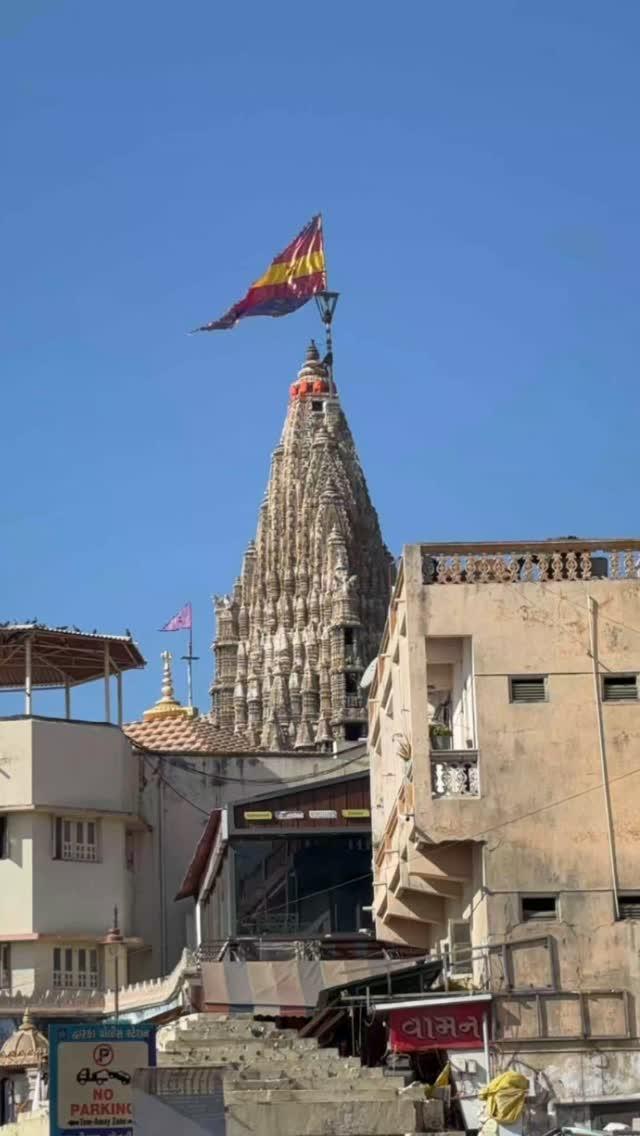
(91, 1068)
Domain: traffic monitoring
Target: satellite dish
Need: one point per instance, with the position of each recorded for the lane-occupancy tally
(369, 675)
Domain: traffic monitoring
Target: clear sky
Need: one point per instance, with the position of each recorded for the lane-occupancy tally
(478, 168)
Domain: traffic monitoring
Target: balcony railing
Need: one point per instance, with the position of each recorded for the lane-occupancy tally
(338, 946)
(78, 1003)
(455, 774)
(531, 562)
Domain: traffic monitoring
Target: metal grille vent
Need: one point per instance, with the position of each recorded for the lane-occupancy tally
(530, 689)
(620, 688)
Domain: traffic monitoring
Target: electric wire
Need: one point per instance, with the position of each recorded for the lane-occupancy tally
(524, 816)
(222, 778)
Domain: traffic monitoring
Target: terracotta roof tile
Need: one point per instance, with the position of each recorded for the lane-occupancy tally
(197, 734)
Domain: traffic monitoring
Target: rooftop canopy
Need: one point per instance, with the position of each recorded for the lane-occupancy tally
(33, 656)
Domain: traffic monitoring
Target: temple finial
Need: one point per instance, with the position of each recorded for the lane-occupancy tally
(167, 677)
(168, 703)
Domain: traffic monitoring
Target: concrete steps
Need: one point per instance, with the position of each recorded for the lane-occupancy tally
(276, 1083)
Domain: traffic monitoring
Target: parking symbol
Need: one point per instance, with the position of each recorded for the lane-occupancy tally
(103, 1055)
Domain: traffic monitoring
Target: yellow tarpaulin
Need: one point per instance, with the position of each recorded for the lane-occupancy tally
(505, 1096)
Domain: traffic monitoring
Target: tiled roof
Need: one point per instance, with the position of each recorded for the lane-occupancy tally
(196, 734)
(186, 734)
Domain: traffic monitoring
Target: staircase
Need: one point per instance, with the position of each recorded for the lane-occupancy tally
(275, 1083)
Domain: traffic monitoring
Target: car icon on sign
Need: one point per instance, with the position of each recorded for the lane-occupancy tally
(102, 1076)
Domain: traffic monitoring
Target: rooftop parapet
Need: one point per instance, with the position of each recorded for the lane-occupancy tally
(567, 558)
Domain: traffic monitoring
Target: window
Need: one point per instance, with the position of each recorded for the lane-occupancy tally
(4, 837)
(353, 731)
(5, 967)
(351, 684)
(539, 907)
(629, 905)
(460, 948)
(620, 688)
(75, 969)
(75, 839)
(528, 688)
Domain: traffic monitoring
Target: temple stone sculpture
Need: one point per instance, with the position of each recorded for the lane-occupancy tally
(306, 613)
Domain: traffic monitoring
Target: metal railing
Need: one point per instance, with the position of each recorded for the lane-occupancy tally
(249, 949)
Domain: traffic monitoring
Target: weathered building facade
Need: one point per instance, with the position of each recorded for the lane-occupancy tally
(504, 742)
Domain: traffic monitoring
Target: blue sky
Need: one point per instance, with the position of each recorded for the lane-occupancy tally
(479, 173)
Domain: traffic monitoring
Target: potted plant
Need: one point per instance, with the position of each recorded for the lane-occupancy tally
(440, 736)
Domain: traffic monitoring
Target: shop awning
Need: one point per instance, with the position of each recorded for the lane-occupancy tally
(286, 988)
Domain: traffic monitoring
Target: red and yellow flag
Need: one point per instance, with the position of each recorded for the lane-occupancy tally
(293, 277)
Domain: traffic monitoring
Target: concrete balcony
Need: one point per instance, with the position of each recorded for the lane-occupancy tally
(415, 880)
(455, 773)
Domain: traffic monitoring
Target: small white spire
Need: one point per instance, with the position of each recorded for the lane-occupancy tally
(167, 677)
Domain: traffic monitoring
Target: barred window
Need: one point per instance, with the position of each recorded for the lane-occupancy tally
(75, 968)
(75, 840)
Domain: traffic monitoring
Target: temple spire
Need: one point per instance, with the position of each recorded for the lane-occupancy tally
(306, 615)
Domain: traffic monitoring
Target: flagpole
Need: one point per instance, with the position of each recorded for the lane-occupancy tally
(190, 668)
(326, 302)
(190, 659)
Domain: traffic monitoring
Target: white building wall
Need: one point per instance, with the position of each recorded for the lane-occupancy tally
(78, 771)
(16, 877)
(83, 764)
(80, 897)
(15, 764)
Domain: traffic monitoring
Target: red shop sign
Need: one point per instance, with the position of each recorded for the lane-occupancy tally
(442, 1026)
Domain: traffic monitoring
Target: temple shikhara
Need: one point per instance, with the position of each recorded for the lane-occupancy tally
(306, 613)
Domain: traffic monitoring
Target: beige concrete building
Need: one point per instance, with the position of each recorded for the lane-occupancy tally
(505, 766)
(70, 825)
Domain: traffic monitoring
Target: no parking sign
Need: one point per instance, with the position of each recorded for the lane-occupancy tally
(91, 1069)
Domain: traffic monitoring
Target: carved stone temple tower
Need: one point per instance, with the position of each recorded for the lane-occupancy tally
(306, 614)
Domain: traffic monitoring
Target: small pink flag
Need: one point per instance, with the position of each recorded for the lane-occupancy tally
(180, 622)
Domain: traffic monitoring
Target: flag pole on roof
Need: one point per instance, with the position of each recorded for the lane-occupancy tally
(183, 621)
(293, 277)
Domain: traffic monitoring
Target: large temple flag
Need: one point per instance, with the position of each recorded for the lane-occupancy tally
(293, 277)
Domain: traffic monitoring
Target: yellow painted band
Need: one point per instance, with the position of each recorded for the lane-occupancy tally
(304, 266)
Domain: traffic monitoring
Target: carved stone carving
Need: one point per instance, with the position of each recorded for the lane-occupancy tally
(317, 571)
